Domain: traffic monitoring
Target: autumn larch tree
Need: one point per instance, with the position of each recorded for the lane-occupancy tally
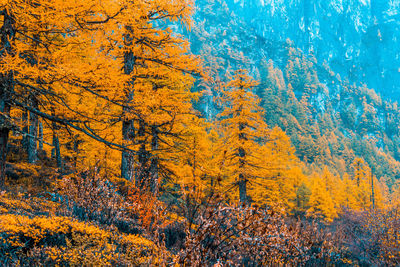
(157, 94)
(243, 130)
(7, 32)
(51, 59)
(362, 177)
(321, 202)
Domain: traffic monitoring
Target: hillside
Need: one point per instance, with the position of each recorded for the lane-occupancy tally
(330, 119)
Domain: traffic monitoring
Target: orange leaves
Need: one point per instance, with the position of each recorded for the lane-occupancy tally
(249, 145)
(150, 211)
(70, 56)
(321, 202)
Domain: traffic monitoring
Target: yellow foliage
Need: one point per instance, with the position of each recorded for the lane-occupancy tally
(349, 190)
(321, 203)
(23, 205)
(62, 240)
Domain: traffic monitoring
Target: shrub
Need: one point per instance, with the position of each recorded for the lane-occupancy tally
(68, 242)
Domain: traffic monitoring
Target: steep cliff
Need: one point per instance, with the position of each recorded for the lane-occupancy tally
(359, 39)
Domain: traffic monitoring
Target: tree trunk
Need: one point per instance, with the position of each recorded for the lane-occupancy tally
(33, 123)
(57, 151)
(127, 161)
(242, 179)
(128, 129)
(33, 133)
(372, 192)
(40, 136)
(25, 130)
(7, 33)
(76, 150)
(154, 168)
(242, 189)
(142, 170)
(3, 154)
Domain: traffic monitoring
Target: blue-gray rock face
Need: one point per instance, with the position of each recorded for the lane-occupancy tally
(359, 39)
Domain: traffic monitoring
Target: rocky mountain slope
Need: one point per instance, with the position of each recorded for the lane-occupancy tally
(331, 116)
(359, 39)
